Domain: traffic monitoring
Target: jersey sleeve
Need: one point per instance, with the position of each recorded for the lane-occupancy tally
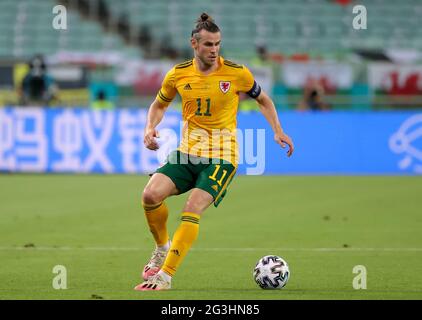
(246, 80)
(168, 90)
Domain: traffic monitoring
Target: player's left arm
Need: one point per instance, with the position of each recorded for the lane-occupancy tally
(248, 84)
(267, 108)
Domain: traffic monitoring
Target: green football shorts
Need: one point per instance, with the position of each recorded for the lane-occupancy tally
(188, 172)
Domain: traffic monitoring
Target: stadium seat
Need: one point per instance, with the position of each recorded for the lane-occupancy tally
(293, 25)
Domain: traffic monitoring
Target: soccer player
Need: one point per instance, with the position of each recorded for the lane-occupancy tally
(206, 159)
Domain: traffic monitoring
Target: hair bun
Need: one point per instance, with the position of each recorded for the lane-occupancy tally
(205, 22)
(205, 17)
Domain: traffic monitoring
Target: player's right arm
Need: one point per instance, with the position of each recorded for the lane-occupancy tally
(158, 108)
(155, 115)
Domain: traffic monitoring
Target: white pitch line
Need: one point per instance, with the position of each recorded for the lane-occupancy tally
(44, 248)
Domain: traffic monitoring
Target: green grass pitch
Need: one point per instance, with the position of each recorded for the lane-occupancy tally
(323, 226)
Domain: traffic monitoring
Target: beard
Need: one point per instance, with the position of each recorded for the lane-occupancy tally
(206, 61)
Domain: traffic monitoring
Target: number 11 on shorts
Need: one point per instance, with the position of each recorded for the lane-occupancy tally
(214, 175)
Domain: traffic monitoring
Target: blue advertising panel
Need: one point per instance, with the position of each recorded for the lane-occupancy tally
(87, 141)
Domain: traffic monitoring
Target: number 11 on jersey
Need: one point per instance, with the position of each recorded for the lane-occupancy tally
(198, 111)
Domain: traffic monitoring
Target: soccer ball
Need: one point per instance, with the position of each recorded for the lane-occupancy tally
(271, 272)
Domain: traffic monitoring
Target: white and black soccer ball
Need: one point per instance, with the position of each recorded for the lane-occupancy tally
(271, 272)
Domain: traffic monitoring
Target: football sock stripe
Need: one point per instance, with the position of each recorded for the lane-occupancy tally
(149, 207)
(190, 219)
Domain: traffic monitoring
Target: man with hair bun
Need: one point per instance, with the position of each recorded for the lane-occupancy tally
(206, 160)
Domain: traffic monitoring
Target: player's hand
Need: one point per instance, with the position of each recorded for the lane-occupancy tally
(282, 139)
(149, 139)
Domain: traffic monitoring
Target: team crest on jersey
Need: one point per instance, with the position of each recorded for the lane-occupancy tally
(224, 86)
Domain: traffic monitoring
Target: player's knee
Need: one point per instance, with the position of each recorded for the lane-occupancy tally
(151, 196)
